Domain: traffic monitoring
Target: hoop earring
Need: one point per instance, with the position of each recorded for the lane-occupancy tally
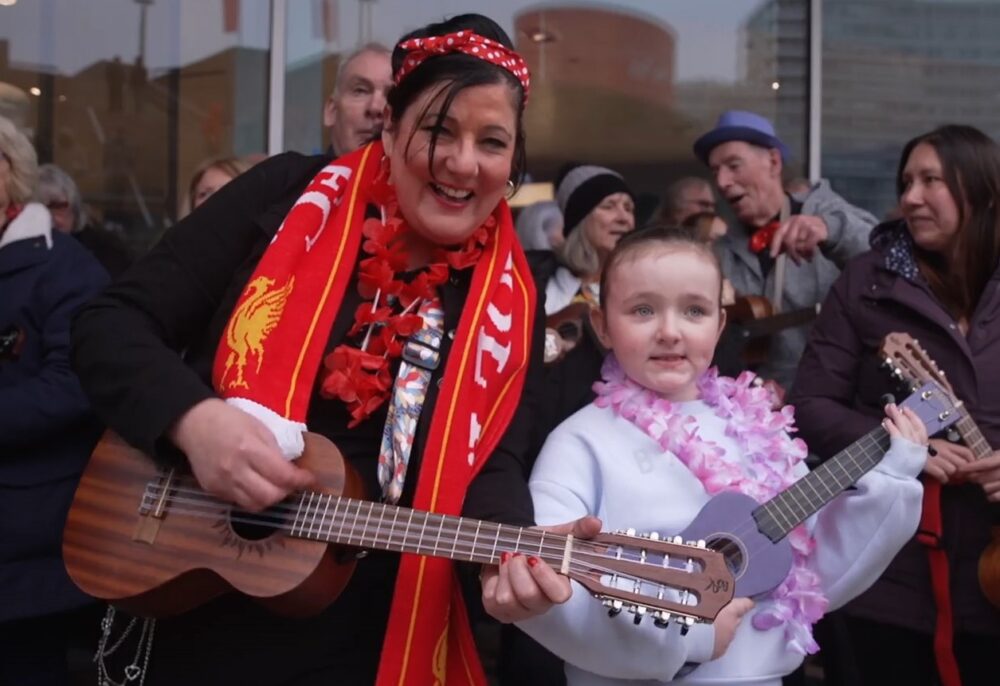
(510, 189)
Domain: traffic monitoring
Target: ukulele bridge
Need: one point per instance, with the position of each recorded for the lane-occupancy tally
(153, 508)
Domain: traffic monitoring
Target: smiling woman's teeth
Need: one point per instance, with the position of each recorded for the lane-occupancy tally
(452, 193)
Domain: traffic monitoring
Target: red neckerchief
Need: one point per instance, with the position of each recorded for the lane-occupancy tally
(762, 237)
(361, 377)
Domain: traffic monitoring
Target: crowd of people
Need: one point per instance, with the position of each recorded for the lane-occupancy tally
(555, 370)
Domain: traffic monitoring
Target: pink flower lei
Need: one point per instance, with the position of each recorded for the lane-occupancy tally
(763, 436)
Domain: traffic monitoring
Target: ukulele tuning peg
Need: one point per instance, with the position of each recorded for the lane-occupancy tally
(639, 611)
(614, 607)
(678, 540)
(630, 532)
(653, 536)
(662, 619)
(700, 543)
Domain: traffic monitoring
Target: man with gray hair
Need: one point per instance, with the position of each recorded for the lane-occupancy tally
(354, 110)
(789, 248)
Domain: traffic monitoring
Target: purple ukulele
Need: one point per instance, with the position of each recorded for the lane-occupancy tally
(759, 556)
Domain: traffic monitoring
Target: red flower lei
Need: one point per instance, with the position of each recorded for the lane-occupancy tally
(360, 376)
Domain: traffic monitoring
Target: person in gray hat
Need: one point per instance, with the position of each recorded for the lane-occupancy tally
(788, 248)
(598, 209)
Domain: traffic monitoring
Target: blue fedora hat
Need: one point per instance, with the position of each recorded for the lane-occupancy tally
(740, 125)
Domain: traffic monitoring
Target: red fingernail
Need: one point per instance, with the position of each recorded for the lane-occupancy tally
(533, 561)
(504, 557)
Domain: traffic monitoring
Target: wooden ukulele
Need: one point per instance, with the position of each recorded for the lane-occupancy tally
(753, 320)
(911, 365)
(570, 324)
(152, 542)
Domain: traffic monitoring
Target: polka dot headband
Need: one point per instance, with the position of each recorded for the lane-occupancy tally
(468, 43)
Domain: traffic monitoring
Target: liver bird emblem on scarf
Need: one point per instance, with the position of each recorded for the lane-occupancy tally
(250, 325)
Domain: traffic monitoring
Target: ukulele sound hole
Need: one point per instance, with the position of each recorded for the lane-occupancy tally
(256, 526)
(732, 550)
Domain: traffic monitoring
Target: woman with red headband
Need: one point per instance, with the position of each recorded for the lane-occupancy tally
(405, 242)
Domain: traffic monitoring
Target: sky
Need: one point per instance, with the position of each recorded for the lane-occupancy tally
(69, 35)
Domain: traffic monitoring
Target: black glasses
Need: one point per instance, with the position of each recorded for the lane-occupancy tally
(57, 205)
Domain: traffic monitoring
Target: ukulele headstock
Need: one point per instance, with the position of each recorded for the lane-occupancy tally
(910, 364)
(935, 407)
(666, 580)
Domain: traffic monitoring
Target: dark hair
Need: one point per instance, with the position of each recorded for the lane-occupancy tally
(970, 164)
(659, 234)
(457, 71)
(701, 223)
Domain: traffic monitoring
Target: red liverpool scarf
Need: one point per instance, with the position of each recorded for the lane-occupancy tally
(271, 350)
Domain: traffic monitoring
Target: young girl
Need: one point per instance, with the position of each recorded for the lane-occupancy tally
(665, 434)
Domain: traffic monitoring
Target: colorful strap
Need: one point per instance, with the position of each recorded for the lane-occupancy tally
(929, 534)
(421, 356)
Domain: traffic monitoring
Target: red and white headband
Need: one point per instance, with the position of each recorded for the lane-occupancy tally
(468, 43)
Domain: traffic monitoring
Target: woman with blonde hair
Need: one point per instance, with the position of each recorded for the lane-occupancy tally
(211, 175)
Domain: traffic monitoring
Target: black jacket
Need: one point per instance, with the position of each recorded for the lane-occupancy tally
(127, 349)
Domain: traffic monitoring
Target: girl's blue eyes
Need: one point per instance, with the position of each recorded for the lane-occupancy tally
(692, 311)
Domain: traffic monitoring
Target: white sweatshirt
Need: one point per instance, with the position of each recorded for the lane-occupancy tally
(597, 463)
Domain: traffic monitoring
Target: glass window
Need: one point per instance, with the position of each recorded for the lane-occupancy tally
(629, 84)
(936, 62)
(130, 96)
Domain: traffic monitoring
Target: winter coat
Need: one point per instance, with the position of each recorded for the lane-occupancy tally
(805, 284)
(839, 394)
(46, 429)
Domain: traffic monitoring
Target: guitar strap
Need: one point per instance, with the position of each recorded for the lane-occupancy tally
(779, 265)
(929, 534)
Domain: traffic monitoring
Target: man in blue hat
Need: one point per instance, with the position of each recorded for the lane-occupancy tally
(787, 248)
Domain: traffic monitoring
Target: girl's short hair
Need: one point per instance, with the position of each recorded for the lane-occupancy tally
(23, 160)
(455, 72)
(657, 234)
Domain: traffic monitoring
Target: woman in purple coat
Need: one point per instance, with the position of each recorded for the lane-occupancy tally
(934, 275)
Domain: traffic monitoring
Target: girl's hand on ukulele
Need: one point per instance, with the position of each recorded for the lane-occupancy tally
(524, 586)
(235, 457)
(728, 622)
(985, 472)
(904, 423)
(947, 460)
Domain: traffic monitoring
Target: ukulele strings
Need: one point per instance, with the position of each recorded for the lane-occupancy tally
(576, 564)
(731, 546)
(203, 505)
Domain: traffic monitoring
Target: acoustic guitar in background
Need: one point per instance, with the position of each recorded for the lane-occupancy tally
(911, 365)
(751, 322)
